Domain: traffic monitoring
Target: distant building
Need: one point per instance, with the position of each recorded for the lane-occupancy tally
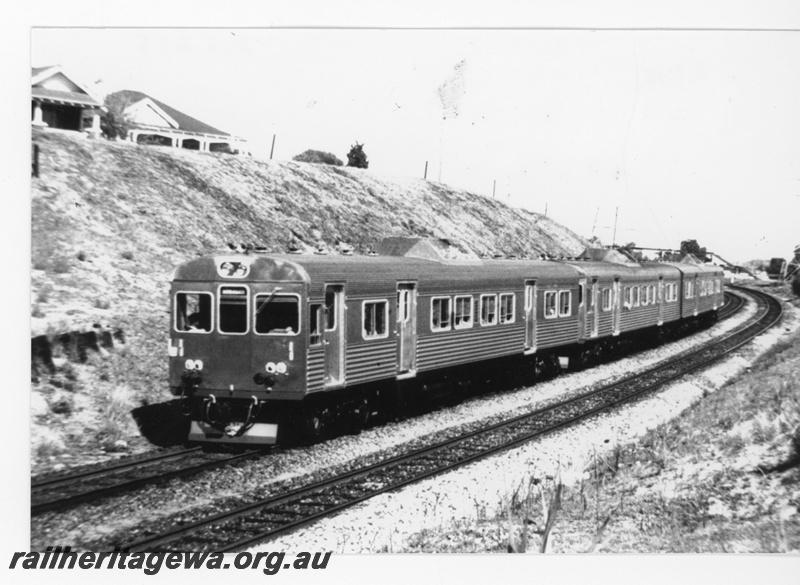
(59, 101)
(154, 122)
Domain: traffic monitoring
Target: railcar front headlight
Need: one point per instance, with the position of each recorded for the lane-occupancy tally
(189, 364)
(280, 368)
(271, 367)
(198, 364)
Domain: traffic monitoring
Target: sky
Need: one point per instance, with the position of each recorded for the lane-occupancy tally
(666, 134)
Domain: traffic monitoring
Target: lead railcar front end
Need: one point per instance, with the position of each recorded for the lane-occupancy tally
(237, 345)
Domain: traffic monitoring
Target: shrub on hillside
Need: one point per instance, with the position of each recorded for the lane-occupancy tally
(114, 122)
(318, 156)
(357, 157)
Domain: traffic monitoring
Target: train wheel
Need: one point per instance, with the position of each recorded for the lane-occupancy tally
(364, 412)
(317, 423)
(535, 370)
(583, 360)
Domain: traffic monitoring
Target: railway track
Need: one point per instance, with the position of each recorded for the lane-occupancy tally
(276, 515)
(62, 491)
(58, 492)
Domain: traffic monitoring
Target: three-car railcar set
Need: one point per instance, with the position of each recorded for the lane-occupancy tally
(259, 342)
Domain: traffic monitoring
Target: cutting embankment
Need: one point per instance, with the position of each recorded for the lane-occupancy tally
(111, 220)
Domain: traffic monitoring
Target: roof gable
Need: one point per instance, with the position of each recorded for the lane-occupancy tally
(148, 113)
(54, 84)
(176, 118)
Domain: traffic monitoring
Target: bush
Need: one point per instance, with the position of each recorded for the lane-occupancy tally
(114, 122)
(775, 266)
(318, 156)
(357, 157)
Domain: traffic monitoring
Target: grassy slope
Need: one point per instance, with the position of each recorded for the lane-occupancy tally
(111, 220)
(705, 482)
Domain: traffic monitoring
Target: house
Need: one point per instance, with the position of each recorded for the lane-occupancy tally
(154, 122)
(60, 101)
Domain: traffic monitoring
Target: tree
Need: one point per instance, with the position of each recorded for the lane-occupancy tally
(357, 157)
(115, 123)
(632, 254)
(693, 248)
(775, 266)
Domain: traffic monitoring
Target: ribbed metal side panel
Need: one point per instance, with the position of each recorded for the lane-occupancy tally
(671, 312)
(639, 317)
(706, 303)
(606, 326)
(479, 343)
(375, 360)
(315, 374)
(557, 332)
(689, 307)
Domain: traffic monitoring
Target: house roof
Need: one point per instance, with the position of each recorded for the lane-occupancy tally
(80, 95)
(185, 122)
(71, 97)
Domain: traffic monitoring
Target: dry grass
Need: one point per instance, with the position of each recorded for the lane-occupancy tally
(721, 477)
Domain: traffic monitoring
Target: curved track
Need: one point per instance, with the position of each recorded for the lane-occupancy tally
(63, 490)
(58, 492)
(261, 520)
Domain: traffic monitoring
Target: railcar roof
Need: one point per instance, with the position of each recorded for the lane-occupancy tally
(312, 267)
(631, 270)
(688, 268)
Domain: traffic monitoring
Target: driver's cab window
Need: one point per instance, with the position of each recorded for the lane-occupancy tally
(193, 312)
(277, 314)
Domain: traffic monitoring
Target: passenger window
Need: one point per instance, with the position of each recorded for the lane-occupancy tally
(330, 310)
(462, 318)
(550, 309)
(507, 308)
(440, 314)
(403, 304)
(606, 299)
(636, 290)
(628, 302)
(193, 312)
(277, 314)
(315, 324)
(488, 309)
(564, 303)
(233, 309)
(375, 317)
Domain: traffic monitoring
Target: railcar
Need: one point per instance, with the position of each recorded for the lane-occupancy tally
(261, 343)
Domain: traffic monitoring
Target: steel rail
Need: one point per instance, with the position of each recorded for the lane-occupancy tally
(64, 478)
(109, 481)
